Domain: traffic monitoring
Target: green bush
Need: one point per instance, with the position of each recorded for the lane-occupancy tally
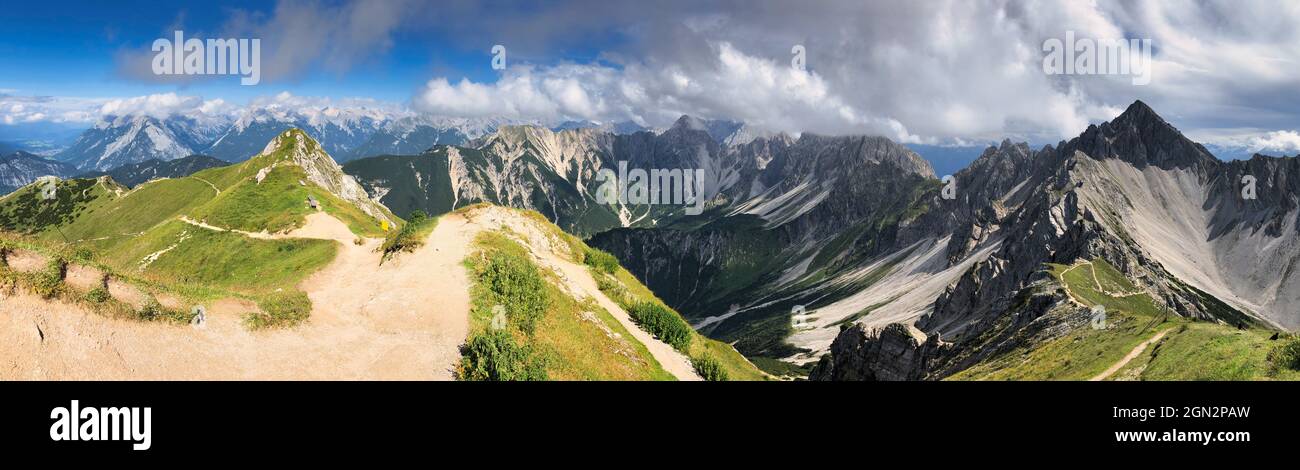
(601, 260)
(49, 282)
(154, 311)
(1285, 356)
(284, 308)
(663, 323)
(97, 295)
(494, 355)
(407, 238)
(83, 254)
(709, 368)
(612, 288)
(517, 285)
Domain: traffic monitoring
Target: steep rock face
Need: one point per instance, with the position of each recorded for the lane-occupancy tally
(794, 223)
(535, 168)
(295, 147)
(554, 172)
(1141, 137)
(1133, 192)
(891, 353)
(120, 140)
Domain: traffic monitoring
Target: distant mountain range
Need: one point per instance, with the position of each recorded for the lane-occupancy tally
(849, 254)
(554, 172)
(20, 168)
(346, 133)
(115, 141)
(134, 174)
(846, 257)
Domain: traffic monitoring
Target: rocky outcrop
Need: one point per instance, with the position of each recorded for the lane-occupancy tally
(1118, 192)
(295, 147)
(891, 353)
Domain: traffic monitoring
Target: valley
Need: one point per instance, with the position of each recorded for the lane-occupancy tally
(281, 267)
(816, 257)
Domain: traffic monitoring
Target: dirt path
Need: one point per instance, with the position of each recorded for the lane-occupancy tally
(214, 187)
(262, 235)
(1137, 351)
(402, 320)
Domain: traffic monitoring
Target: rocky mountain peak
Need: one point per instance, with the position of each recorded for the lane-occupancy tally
(689, 122)
(295, 147)
(867, 149)
(1141, 137)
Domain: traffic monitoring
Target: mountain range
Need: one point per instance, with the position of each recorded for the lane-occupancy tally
(846, 257)
(21, 168)
(134, 174)
(285, 241)
(818, 249)
(346, 133)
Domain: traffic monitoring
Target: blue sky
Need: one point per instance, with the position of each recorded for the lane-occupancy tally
(924, 72)
(62, 53)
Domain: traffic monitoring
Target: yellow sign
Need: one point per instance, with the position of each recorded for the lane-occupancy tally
(384, 225)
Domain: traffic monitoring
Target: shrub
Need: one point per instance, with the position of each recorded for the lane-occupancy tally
(154, 311)
(709, 368)
(407, 238)
(1285, 356)
(83, 254)
(97, 295)
(284, 308)
(612, 288)
(517, 285)
(49, 282)
(663, 323)
(495, 355)
(601, 260)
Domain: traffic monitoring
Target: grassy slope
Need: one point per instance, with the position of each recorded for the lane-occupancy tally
(626, 290)
(124, 227)
(737, 367)
(1191, 350)
(571, 346)
(629, 291)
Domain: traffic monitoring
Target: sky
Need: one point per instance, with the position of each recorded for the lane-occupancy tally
(940, 72)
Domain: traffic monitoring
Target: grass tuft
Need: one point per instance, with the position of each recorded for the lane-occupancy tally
(280, 309)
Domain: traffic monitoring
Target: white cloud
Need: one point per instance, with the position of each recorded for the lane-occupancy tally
(759, 91)
(158, 105)
(1276, 141)
(939, 70)
(29, 109)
